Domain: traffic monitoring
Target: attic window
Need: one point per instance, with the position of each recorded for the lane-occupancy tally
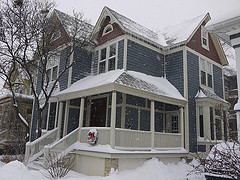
(204, 38)
(107, 29)
(56, 35)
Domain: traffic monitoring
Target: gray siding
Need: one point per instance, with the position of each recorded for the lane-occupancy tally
(144, 60)
(218, 81)
(193, 85)
(65, 57)
(82, 67)
(120, 54)
(174, 70)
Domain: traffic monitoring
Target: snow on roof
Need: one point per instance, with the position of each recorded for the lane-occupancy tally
(230, 15)
(139, 29)
(183, 31)
(204, 93)
(136, 80)
(69, 25)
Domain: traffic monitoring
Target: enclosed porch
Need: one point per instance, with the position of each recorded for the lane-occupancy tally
(130, 111)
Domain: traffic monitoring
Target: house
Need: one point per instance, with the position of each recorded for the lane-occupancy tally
(137, 94)
(14, 131)
(227, 28)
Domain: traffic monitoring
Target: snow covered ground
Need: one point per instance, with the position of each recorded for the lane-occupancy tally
(151, 170)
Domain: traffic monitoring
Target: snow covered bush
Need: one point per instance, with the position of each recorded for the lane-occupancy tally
(58, 166)
(223, 159)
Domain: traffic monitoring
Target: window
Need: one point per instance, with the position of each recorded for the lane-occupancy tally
(52, 69)
(56, 35)
(211, 123)
(107, 29)
(174, 124)
(206, 74)
(204, 38)
(218, 129)
(107, 61)
(201, 127)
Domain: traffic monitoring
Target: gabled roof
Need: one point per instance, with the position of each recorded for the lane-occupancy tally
(68, 23)
(128, 25)
(134, 80)
(184, 31)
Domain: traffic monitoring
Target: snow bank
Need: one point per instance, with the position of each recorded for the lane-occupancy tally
(151, 170)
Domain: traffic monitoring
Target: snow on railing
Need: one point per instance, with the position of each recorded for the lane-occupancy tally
(35, 148)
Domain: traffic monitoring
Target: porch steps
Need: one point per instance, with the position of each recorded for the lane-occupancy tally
(37, 164)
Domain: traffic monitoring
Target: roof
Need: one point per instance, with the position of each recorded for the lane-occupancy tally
(182, 32)
(225, 23)
(170, 36)
(69, 24)
(204, 93)
(136, 28)
(134, 80)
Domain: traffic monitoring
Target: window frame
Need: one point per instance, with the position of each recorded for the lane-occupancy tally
(204, 38)
(56, 35)
(105, 30)
(52, 64)
(107, 58)
(207, 72)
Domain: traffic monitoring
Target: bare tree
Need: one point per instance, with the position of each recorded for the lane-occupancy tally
(27, 46)
(223, 160)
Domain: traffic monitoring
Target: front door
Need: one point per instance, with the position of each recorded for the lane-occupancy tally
(98, 112)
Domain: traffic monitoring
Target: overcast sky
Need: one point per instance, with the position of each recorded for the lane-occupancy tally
(153, 14)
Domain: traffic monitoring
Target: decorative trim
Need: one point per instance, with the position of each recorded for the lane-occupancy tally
(108, 29)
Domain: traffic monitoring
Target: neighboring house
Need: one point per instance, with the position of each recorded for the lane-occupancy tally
(146, 94)
(14, 132)
(231, 94)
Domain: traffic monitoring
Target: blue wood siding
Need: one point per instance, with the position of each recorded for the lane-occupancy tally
(144, 60)
(65, 57)
(193, 86)
(174, 70)
(218, 81)
(120, 54)
(82, 67)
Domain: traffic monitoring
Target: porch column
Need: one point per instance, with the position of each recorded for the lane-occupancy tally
(182, 125)
(66, 118)
(60, 120)
(113, 119)
(81, 118)
(152, 118)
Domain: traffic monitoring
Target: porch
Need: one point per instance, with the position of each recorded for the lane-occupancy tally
(129, 113)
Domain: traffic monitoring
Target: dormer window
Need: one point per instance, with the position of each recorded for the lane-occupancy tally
(56, 35)
(204, 38)
(107, 29)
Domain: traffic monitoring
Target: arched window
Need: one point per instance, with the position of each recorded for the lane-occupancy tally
(107, 29)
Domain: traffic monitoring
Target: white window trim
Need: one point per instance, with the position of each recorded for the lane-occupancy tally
(57, 37)
(107, 57)
(51, 65)
(207, 39)
(105, 29)
(206, 74)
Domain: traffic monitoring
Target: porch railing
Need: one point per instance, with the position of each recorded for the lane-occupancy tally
(35, 148)
(163, 140)
(103, 135)
(62, 144)
(133, 138)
